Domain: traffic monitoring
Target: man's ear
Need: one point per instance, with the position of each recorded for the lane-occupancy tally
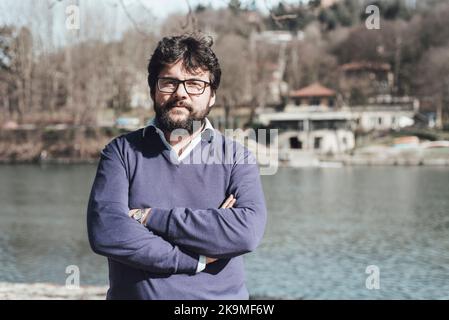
(212, 99)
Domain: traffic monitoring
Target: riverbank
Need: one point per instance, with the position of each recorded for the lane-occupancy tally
(82, 145)
(48, 291)
(54, 144)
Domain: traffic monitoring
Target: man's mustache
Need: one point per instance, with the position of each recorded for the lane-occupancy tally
(177, 103)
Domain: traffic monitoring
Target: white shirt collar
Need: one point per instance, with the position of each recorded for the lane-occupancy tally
(208, 132)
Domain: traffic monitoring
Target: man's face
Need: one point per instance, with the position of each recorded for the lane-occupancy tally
(178, 110)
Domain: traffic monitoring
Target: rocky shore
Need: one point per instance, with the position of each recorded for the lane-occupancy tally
(47, 291)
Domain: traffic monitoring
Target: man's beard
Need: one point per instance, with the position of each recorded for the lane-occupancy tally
(167, 124)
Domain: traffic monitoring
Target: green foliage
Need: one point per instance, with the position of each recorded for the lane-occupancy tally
(393, 9)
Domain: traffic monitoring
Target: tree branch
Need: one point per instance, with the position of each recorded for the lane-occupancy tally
(129, 16)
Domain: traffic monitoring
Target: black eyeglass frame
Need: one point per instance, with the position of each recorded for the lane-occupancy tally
(206, 84)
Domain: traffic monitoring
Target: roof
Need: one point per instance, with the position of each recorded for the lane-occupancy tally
(313, 90)
(364, 65)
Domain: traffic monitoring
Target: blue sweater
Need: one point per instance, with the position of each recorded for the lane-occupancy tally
(159, 260)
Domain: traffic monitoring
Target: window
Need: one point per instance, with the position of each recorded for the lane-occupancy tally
(317, 142)
(295, 143)
(315, 101)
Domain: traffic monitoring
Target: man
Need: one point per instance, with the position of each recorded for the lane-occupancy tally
(175, 205)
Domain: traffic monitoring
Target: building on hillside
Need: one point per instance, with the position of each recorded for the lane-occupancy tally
(386, 112)
(360, 80)
(313, 95)
(311, 122)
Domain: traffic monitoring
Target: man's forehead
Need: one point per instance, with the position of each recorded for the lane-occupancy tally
(179, 69)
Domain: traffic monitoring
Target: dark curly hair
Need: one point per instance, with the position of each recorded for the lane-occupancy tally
(194, 50)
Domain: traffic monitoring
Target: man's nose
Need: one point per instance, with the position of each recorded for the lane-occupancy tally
(181, 91)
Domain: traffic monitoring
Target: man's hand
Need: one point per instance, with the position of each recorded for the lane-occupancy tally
(228, 203)
(145, 216)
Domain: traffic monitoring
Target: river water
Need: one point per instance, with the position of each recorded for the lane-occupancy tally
(332, 233)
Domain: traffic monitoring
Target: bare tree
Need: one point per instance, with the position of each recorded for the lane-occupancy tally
(433, 81)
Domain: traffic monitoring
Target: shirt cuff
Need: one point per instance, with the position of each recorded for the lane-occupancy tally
(201, 264)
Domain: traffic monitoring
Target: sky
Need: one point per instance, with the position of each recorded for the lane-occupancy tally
(107, 19)
(163, 8)
(12, 11)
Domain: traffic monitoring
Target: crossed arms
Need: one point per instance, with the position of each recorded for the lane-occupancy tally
(228, 203)
(173, 238)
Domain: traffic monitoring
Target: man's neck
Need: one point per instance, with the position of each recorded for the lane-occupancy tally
(182, 141)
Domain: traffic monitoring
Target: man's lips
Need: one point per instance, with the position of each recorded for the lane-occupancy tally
(181, 107)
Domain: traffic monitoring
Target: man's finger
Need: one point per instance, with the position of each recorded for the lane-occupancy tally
(227, 201)
(231, 198)
(230, 203)
(210, 260)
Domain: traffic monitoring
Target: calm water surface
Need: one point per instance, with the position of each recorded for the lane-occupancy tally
(325, 227)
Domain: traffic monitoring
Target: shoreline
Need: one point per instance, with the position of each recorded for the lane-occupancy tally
(51, 291)
(321, 163)
(83, 145)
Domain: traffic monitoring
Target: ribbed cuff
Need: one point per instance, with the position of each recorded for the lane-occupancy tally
(187, 263)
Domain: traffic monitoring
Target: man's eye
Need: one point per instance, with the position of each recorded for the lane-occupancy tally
(194, 84)
(169, 83)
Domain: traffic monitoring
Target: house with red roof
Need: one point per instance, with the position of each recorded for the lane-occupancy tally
(313, 95)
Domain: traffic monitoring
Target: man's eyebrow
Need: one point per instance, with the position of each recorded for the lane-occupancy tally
(174, 78)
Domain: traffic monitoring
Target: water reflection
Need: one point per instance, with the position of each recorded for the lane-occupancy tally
(327, 226)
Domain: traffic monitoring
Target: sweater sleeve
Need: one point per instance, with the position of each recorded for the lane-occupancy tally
(219, 233)
(112, 233)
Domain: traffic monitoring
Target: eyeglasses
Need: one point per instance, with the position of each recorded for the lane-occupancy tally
(192, 86)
